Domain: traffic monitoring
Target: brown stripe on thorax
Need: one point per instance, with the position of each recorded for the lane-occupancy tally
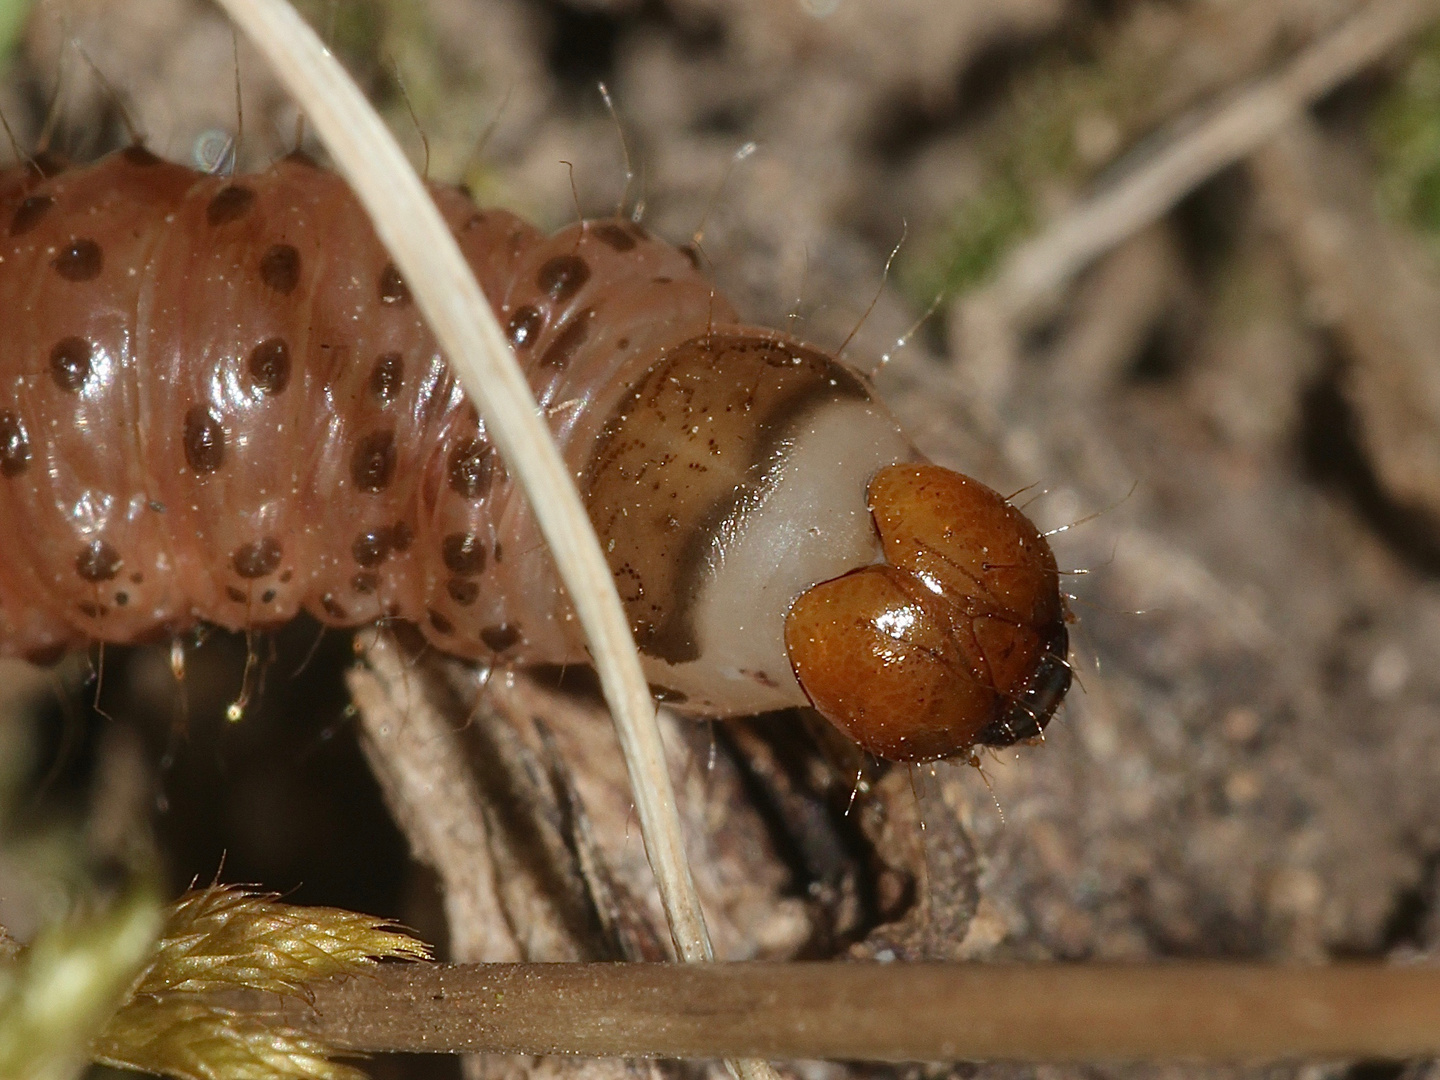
(696, 439)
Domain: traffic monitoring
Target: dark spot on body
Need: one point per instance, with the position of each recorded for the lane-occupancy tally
(499, 638)
(235, 594)
(70, 363)
(401, 537)
(392, 287)
(385, 377)
(440, 622)
(47, 655)
(81, 260)
(523, 326)
(562, 277)
(280, 268)
(463, 553)
(89, 610)
(332, 607)
(662, 280)
(121, 599)
(462, 591)
(365, 582)
(666, 695)
(138, 155)
(285, 577)
(472, 468)
(270, 365)
(371, 548)
(562, 350)
(623, 343)
(97, 562)
(29, 214)
(268, 596)
(14, 445)
(204, 440)
(257, 558)
(613, 236)
(372, 465)
(229, 204)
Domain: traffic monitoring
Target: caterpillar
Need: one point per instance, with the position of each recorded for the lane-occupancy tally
(219, 404)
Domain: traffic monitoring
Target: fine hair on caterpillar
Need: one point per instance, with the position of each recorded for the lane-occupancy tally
(221, 405)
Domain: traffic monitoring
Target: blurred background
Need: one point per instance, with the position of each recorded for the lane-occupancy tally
(1231, 407)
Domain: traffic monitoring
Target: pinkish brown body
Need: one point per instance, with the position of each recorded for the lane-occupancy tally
(219, 403)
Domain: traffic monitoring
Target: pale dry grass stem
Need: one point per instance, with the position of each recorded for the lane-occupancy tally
(411, 228)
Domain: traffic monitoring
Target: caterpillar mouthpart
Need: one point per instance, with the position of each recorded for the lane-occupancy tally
(956, 639)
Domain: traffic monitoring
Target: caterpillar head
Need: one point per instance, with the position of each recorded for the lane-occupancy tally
(958, 638)
(776, 544)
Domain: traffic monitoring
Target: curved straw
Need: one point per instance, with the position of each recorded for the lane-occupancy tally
(1037, 269)
(415, 235)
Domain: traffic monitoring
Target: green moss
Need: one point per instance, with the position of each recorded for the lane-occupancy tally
(12, 18)
(979, 232)
(13, 14)
(1033, 145)
(354, 29)
(425, 92)
(63, 989)
(1405, 132)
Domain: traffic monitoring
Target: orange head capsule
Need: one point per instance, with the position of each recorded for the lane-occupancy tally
(957, 639)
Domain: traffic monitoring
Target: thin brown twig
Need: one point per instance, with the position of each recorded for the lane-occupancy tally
(1036, 270)
(899, 1012)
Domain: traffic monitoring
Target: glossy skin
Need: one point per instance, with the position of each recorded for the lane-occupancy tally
(958, 639)
(219, 403)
